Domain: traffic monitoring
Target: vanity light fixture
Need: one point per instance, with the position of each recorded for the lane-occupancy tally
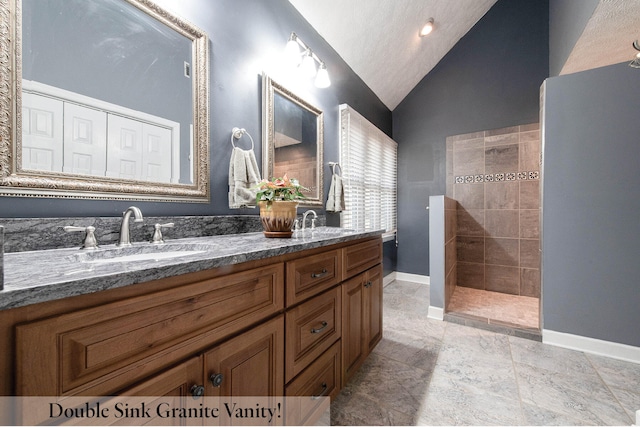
(306, 60)
(636, 61)
(427, 28)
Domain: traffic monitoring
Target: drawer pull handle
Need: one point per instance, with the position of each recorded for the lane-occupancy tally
(216, 379)
(321, 274)
(368, 284)
(324, 390)
(320, 329)
(197, 391)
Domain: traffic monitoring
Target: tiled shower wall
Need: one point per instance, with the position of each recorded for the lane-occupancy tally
(494, 176)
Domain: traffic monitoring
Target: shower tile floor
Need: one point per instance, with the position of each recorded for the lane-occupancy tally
(430, 372)
(496, 307)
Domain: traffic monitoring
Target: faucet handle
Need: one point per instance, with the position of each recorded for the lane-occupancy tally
(90, 241)
(157, 234)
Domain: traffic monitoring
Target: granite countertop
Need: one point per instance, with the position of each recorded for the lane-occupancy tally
(38, 276)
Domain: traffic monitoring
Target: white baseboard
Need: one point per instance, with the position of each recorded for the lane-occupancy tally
(436, 313)
(417, 278)
(614, 350)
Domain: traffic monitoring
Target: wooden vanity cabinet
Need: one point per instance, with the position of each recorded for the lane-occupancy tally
(294, 325)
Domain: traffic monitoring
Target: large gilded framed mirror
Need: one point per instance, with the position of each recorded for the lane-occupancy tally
(292, 139)
(102, 99)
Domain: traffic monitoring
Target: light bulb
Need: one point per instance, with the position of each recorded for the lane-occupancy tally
(308, 66)
(322, 78)
(292, 51)
(427, 29)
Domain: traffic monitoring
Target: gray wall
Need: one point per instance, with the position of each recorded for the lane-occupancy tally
(243, 35)
(591, 201)
(567, 19)
(489, 80)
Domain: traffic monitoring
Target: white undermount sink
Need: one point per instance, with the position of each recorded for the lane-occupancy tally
(143, 257)
(139, 253)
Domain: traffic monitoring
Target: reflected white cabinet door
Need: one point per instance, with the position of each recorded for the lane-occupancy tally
(157, 155)
(124, 154)
(85, 140)
(139, 151)
(42, 128)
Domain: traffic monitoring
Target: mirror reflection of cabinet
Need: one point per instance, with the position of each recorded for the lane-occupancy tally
(66, 132)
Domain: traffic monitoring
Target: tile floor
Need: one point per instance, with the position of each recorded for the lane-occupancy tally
(496, 308)
(430, 372)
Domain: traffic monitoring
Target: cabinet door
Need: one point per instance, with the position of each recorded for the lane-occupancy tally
(353, 337)
(179, 387)
(251, 364)
(373, 304)
(362, 319)
(150, 402)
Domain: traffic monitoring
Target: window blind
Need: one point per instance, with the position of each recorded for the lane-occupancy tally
(368, 158)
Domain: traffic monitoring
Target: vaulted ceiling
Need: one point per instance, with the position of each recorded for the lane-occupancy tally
(379, 39)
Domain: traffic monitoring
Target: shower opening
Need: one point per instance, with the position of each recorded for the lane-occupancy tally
(492, 217)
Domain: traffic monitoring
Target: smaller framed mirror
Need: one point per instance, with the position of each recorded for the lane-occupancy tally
(292, 139)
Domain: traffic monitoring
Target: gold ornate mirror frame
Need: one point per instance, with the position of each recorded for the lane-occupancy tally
(16, 181)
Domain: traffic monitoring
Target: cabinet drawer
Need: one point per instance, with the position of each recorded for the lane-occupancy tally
(360, 257)
(311, 328)
(100, 350)
(320, 379)
(311, 275)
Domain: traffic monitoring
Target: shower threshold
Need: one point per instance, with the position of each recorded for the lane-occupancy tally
(498, 312)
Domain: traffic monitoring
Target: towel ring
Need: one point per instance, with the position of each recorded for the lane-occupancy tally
(236, 133)
(333, 167)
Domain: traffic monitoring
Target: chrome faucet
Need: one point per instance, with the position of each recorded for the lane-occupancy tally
(313, 220)
(125, 240)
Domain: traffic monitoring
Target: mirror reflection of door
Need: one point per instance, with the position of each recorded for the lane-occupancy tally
(295, 143)
(105, 60)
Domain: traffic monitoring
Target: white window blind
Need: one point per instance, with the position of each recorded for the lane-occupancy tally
(368, 158)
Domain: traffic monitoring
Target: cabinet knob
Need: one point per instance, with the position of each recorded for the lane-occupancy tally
(368, 284)
(216, 379)
(197, 391)
(320, 329)
(322, 392)
(321, 274)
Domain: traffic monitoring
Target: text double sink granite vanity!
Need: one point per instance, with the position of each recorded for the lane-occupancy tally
(232, 315)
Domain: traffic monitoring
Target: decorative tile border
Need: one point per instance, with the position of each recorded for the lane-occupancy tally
(497, 177)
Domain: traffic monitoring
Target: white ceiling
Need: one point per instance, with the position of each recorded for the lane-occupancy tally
(608, 36)
(379, 39)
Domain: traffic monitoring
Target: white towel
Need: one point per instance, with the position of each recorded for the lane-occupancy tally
(335, 201)
(244, 176)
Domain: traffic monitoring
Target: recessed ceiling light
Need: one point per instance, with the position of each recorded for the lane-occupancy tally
(427, 28)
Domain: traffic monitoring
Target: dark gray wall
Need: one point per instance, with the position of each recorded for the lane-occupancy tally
(591, 201)
(244, 34)
(490, 79)
(567, 19)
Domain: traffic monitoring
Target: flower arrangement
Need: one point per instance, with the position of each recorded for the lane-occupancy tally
(285, 188)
